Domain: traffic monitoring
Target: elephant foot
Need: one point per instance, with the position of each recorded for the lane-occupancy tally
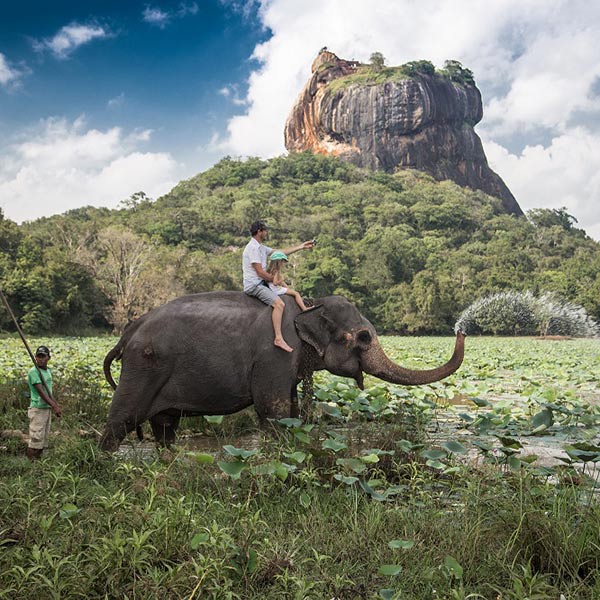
(109, 442)
(164, 428)
(112, 437)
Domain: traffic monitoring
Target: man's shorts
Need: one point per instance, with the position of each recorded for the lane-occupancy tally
(39, 427)
(263, 293)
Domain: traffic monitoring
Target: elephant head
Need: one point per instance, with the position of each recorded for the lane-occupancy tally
(346, 344)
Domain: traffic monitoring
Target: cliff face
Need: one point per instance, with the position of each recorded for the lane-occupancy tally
(424, 122)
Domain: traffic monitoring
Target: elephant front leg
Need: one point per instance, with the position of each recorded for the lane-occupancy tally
(273, 406)
(272, 401)
(308, 397)
(294, 410)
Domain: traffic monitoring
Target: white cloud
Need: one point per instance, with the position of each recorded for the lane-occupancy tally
(156, 16)
(116, 102)
(161, 18)
(535, 61)
(69, 38)
(244, 7)
(551, 83)
(187, 8)
(232, 92)
(566, 173)
(9, 75)
(61, 165)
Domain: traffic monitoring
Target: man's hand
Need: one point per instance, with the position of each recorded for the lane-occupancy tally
(303, 246)
(308, 244)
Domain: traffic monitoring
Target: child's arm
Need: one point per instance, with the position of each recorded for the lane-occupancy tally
(278, 280)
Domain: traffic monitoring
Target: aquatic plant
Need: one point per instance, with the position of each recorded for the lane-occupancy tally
(522, 313)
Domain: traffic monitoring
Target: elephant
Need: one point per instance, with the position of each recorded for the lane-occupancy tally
(212, 353)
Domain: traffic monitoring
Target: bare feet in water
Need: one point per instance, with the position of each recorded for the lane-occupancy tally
(280, 343)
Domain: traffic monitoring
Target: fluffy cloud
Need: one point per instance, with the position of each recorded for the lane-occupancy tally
(69, 38)
(566, 173)
(537, 63)
(155, 16)
(69, 165)
(9, 75)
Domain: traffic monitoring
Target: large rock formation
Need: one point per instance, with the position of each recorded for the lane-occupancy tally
(423, 121)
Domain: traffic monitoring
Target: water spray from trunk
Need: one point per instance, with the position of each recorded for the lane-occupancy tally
(523, 313)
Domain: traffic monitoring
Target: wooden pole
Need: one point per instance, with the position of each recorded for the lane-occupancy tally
(20, 331)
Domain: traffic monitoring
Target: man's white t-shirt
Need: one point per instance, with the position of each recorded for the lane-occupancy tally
(254, 252)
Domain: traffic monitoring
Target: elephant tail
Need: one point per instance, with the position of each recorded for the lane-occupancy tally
(113, 354)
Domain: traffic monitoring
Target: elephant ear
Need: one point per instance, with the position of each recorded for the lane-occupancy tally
(313, 328)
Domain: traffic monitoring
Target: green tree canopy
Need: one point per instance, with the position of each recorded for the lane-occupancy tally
(410, 251)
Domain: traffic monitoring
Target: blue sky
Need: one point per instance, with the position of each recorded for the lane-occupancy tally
(102, 99)
(155, 71)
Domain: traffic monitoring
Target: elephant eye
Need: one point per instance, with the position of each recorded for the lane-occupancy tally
(363, 337)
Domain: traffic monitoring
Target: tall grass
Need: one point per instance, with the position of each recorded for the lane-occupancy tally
(84, 524)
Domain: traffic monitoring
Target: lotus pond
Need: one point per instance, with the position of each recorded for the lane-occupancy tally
(479, 486)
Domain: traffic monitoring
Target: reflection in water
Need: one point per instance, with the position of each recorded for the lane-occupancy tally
(446, 426)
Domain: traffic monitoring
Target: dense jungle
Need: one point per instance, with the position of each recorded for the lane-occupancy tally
(411, 252)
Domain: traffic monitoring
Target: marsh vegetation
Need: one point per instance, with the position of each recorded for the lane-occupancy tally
(428, 492)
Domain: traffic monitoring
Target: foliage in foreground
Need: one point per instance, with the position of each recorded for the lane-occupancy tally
(377, 499)
(85, 525)
(411, 252)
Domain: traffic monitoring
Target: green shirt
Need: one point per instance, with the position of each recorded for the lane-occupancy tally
(33, 377)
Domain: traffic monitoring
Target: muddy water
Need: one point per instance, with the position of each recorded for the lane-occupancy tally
(548, 449)
(193, 443)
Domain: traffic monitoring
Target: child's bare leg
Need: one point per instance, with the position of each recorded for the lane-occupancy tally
(276, 316)
(298, 298)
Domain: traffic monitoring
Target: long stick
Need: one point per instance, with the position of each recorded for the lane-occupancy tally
(10, 312)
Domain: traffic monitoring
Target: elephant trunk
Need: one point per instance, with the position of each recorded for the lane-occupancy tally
(375, 362)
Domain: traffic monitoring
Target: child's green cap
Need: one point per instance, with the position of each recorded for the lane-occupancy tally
(278, 255)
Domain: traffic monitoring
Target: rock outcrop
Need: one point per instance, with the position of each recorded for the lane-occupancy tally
(423, 121)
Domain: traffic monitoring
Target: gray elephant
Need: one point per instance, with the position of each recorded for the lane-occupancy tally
(213, 354)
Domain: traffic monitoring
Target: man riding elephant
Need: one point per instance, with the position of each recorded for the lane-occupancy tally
(256, 278)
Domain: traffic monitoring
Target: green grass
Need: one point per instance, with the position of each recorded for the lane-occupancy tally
(376, 499)
(367, 75)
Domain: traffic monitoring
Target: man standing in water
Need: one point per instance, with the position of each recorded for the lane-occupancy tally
(256, 278)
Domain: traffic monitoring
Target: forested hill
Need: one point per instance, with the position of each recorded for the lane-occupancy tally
(410, 251)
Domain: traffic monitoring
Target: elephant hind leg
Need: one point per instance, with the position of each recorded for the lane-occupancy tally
(131, 405)
(164, 428)
(114, 434)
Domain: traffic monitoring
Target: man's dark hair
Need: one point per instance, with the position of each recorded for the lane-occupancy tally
(257, 226)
